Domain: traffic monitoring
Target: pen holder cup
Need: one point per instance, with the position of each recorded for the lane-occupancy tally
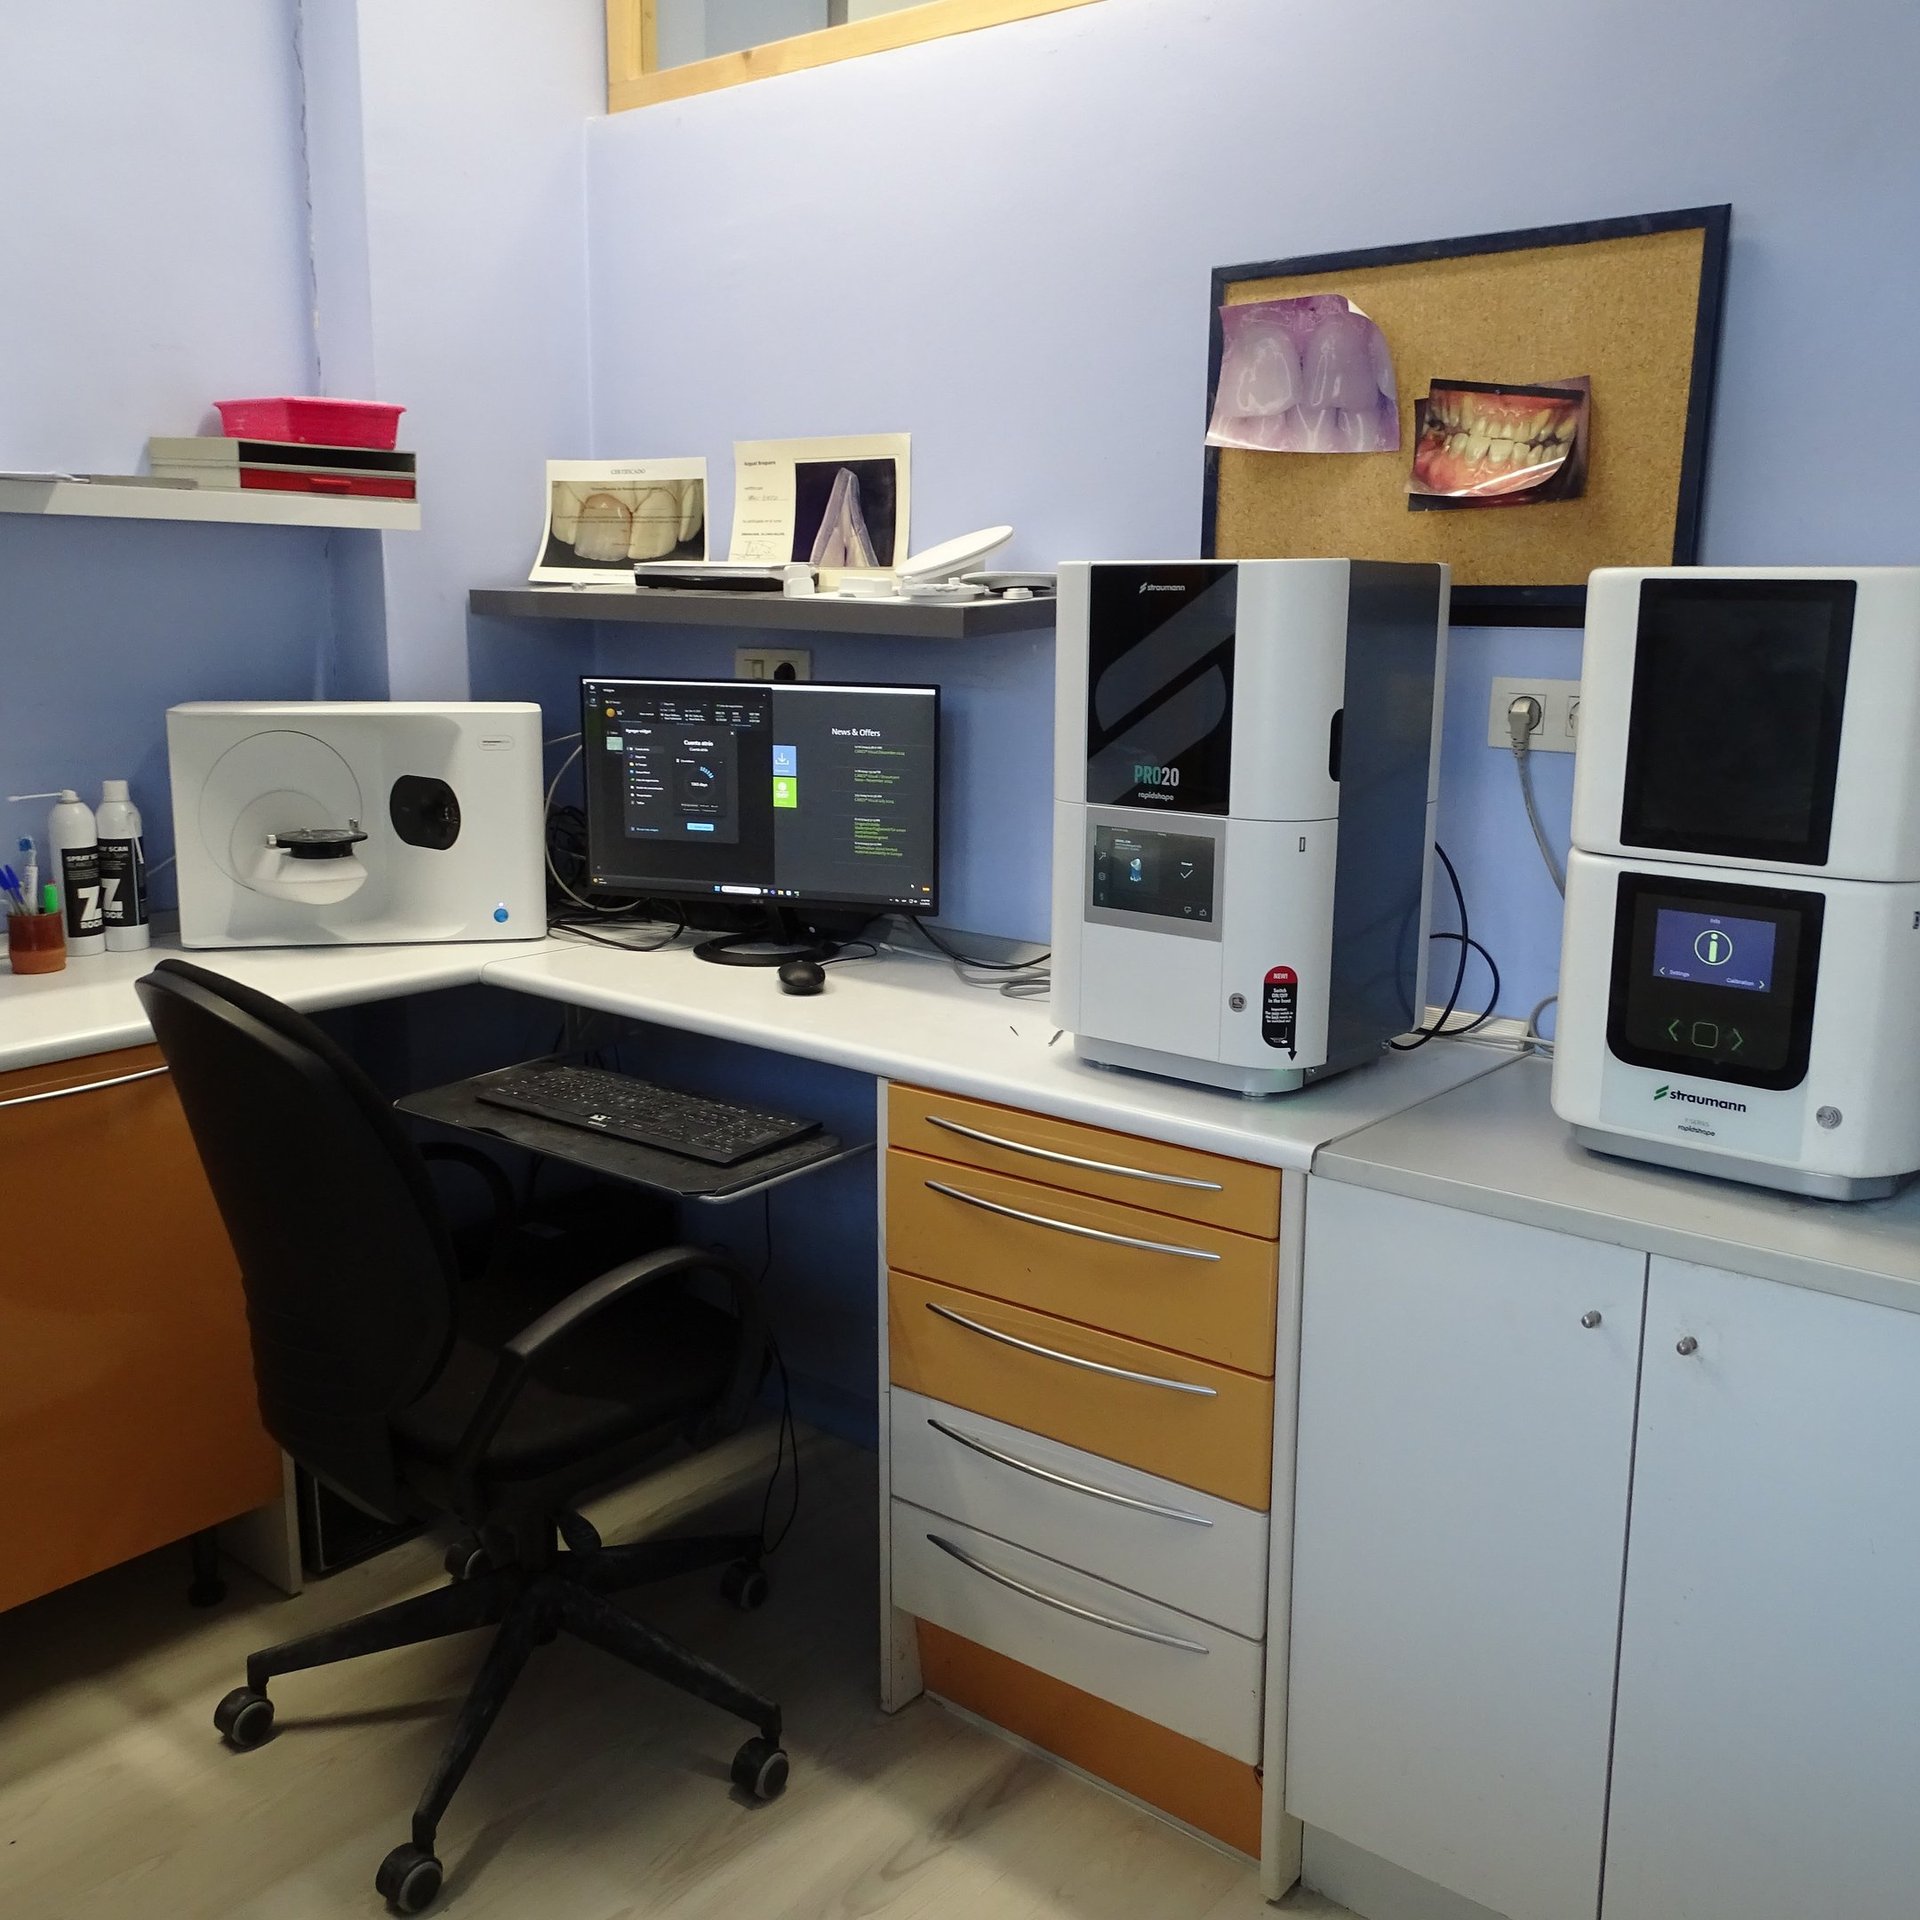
(37, 942)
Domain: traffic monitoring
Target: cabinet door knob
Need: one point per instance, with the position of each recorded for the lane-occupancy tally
(1686, 1344)
(1590, 1318)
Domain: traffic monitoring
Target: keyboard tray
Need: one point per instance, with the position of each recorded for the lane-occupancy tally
(458, 1104)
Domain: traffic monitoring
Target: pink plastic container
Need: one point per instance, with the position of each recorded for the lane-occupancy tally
(311, 421)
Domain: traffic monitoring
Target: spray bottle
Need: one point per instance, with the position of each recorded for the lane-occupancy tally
(123, 870)
(73, 846)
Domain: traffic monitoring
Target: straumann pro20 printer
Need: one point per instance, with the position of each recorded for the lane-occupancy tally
(1245, 773)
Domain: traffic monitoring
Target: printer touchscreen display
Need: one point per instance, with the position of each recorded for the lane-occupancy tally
(1167, 874)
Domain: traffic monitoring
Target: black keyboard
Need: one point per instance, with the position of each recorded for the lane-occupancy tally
(628, 1109)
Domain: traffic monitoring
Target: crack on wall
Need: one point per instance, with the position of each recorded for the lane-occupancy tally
(306, 197)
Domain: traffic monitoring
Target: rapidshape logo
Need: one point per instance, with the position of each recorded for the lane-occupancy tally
(1699, 1099)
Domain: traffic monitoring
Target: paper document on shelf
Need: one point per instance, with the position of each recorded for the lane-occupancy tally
(604, 515)
(839, 503)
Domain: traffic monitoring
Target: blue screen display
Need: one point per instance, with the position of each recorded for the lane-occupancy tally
(1714, 949)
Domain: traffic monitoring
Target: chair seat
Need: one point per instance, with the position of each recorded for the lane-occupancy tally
(642, 1366)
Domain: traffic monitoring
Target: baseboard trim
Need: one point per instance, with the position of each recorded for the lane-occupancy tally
(1375, 1888)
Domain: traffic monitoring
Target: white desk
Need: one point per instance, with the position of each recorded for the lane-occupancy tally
(899, 1017)
(1498, 1149)
(91, 1007)
(907, 1017)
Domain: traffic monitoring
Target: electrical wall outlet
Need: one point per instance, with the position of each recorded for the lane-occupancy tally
(1556, 729)
(772, 663)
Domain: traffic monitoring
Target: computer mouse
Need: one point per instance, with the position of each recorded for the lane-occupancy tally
(802, 976)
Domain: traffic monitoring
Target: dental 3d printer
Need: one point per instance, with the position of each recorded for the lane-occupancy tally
(317, 823)
(1246, 758)
(1740, 966)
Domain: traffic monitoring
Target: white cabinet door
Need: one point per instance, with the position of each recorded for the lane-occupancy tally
(1767, 1757)
(1466, 1445)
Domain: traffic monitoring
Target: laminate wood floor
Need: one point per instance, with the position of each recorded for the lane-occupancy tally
(601, 1795)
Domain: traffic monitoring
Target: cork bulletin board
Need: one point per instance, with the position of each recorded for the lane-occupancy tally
(1634, 303)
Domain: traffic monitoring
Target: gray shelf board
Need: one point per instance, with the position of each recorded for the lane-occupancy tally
(769, 612)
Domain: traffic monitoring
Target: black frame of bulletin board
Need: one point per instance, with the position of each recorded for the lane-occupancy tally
(1546, 604)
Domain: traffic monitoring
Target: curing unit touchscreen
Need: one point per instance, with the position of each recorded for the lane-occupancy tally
(1713, 948)
(1713, 979)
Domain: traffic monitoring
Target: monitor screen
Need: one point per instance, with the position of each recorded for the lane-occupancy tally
(793, 793)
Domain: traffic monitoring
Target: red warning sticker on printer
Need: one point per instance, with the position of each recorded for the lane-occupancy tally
(1278, 1001)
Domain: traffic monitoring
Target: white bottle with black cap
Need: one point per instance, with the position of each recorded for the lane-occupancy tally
(76, 862)
(123, 869)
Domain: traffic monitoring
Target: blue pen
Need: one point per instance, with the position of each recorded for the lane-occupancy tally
(10, 885)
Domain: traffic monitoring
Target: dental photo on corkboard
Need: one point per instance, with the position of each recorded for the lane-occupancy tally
(1478, 444)
(1631, 305)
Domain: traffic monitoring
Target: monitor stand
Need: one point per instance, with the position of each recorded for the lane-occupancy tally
(785, 937)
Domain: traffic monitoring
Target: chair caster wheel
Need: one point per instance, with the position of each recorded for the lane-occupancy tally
(745, 1583)
(760, 1769)
(466, 1559)
(244, 1718)
(409, 1878)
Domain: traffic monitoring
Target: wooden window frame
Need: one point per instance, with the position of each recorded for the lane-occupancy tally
(633, 80)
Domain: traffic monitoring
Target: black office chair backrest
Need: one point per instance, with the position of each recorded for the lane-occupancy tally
(343, 1250)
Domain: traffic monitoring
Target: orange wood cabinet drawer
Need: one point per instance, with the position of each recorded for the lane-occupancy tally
(1186, 1420)
(1195, 1783)
(1063, 1153)
(127, 1410)
(1192, 1288)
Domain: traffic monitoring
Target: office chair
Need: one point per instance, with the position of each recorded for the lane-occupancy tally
(416, 1391)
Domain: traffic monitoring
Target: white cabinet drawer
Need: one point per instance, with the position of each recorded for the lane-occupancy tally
(1184, 1674)
(1203, 1555)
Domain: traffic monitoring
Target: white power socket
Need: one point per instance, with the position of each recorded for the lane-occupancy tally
(1556, 731)
(772, 663)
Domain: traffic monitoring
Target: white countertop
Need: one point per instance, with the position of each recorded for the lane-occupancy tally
(903, 1016)
(90, 1006)
(1496, 1147)
(900, 1016)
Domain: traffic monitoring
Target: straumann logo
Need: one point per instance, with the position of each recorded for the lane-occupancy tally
(1699, 1099)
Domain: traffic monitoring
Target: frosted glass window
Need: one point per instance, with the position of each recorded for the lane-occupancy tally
(660, 50)
(688, 30)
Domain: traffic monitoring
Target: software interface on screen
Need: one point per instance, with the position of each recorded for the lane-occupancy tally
(789, 792)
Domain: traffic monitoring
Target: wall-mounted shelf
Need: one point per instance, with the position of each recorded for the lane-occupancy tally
(102, 500)
(768, 612)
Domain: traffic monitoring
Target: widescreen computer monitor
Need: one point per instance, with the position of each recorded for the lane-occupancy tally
(790, 795)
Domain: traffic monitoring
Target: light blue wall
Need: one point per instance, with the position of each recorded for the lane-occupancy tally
(157, 250)
(151, 243)
(104, 624)
(1002, 242)
(447, 140)
(154, 259)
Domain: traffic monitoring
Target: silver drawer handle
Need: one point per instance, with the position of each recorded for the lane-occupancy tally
(1073, 1159)
(1072, 1359)
(1067, 1226)
(1061, 1480)
(1064, 1606)
(91, 1086)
